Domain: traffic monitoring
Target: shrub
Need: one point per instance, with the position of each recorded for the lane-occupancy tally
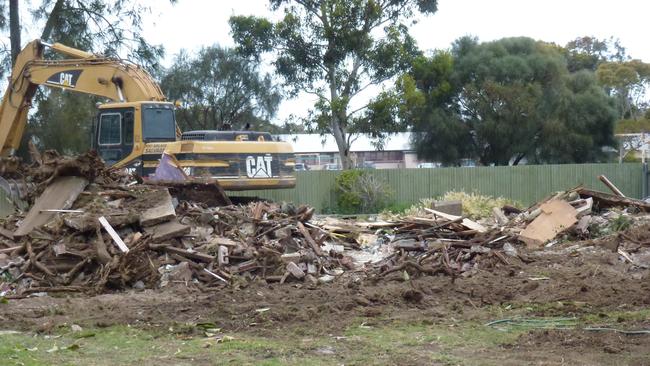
(475, 206)
(359, 191)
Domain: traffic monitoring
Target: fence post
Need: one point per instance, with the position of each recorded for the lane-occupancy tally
(644, 181)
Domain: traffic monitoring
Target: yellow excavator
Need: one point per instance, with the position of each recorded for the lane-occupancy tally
(138, 125)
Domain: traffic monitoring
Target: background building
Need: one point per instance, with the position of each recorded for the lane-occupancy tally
(320, 152)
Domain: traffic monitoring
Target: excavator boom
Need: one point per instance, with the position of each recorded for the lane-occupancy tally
(111, 78)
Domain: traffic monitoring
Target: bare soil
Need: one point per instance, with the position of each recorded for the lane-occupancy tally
(574, 279)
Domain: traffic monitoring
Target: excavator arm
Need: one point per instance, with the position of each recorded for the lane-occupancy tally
(81, 72)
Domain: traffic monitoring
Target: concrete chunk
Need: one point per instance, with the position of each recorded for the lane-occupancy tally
(160, 212)
(167, 230)
(60, 194)
(295, 270)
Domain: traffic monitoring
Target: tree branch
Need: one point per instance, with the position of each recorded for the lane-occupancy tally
(111, 28)
(52, 20)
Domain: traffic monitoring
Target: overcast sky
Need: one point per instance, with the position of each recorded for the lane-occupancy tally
(191, 24)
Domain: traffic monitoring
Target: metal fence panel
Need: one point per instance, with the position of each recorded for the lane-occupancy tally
(526, 184)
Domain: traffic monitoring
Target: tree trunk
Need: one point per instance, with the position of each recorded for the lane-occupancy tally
(14, 29)
(341, 143)
(52, 20)
(518, 159)
(336, 126)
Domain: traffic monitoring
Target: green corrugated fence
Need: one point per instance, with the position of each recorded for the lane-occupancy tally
(525, 184)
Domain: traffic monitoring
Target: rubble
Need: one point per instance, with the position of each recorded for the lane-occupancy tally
(97, 230)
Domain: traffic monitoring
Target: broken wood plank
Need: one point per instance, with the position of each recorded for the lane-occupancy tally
(605, 200)
(499, 216)
(192, 255)
(611, 186)
(100, 247)
(167, 230)
(116, 238)
(60, 194)
(162, 211)
(6, 233)
(87, 222)
(10, 249)
(62, 211)
(303, 230)
(215, 275)
(409, 245)
(245, 266)
(556, 216)
(472, 225)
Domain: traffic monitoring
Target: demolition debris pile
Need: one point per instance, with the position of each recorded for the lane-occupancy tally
(95, 229)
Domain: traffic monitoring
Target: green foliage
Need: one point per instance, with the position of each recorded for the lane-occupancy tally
(428, 93)
(106, 27)
(627, 82)
(620, 223)
(346, 199)
(502, 102)
(358, 191)
(63, 121)
(631, 158)
(586, 53)
(633, 125)
(220, 89)
(6, 276)
(335, 49)
(625, 79)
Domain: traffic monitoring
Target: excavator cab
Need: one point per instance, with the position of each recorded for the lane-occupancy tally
(113, 133)
(121, 130)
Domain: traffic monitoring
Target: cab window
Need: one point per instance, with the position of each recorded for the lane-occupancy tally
(110, 129)
(158, 123)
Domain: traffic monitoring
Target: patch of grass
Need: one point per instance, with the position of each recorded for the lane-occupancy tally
(422, 343)
(391, 342)
(123, 345)
(642, 315)
(383, 341)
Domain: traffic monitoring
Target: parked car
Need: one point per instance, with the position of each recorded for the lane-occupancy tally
(366, 165)
(428, 165)
(332, 167)
(301, 167)
(467, 163)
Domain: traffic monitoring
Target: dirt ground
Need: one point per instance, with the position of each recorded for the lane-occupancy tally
(583, 281)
